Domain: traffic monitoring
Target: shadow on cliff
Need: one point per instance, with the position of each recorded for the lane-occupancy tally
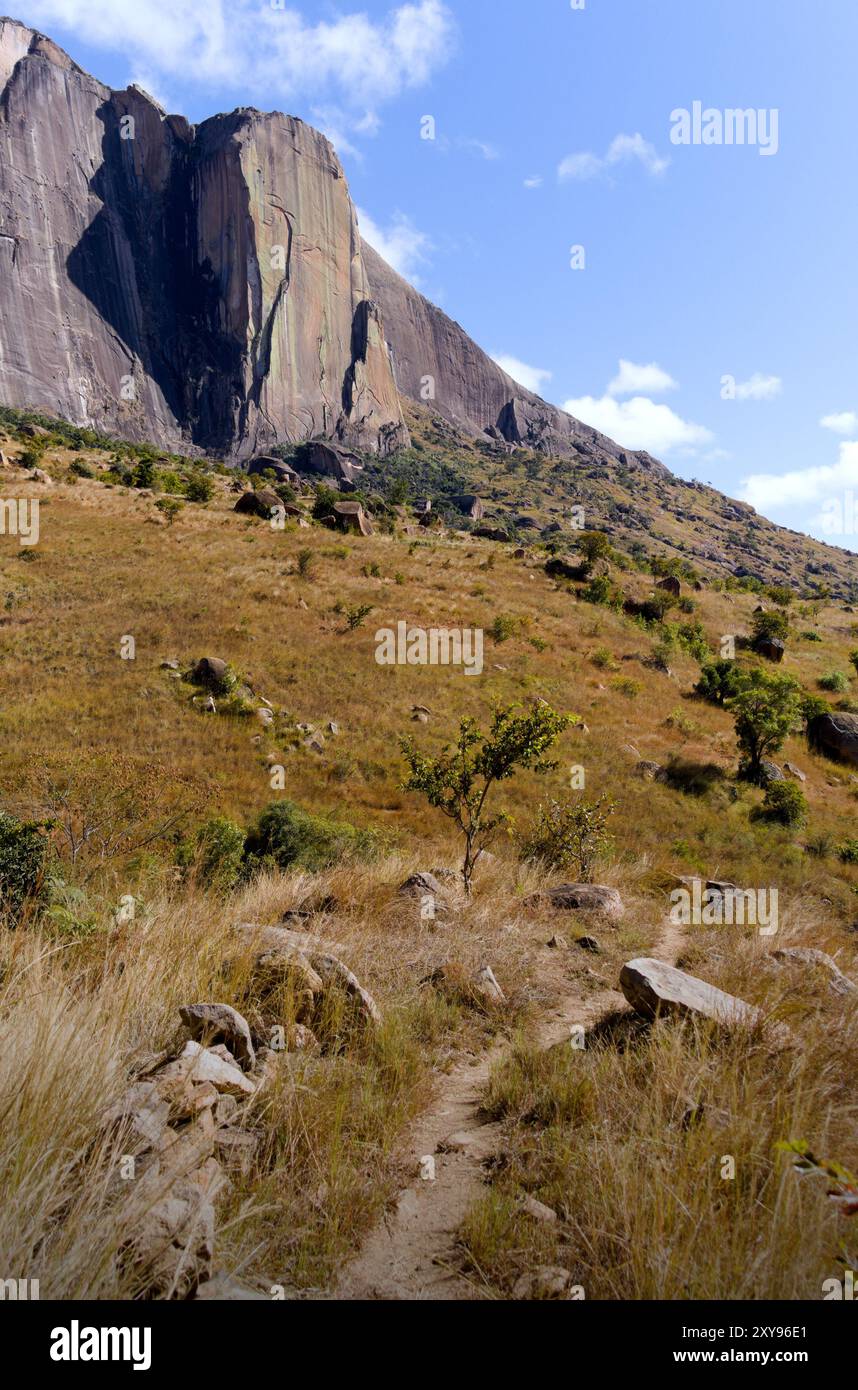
(134, 264)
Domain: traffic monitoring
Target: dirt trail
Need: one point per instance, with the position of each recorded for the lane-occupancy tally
(411, 1254)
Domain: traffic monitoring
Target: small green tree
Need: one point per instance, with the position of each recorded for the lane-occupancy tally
(23, 849)
(169, 507)
(593, 546)
(571, 835)
(766, 710)
(719, 681)
(199, 488)
(768, 625)
(460, 780)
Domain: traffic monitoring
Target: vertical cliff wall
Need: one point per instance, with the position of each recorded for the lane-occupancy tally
(200, 286)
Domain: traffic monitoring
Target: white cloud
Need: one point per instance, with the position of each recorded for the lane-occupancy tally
(535, 181)
(802, 486)
(625, 147)
(759, 388)
(257, 50)
(622, 148)
(480, 147)
(639, 423)
(844, 422)
(339, 126)
(633, 378)
(531, 378)
(401, 244)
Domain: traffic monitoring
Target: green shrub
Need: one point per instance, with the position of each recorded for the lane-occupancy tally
(503, 627)
(627, 686)
(719, 682)
(290, 837)
(768, 625)
(144, 474)
(848, 852)
(199, 488)
(80, 469)
(23, 850)
(785, 803)
(32, 456)
(601, 590)
(570, 835)
(834, 681)
(218, 853)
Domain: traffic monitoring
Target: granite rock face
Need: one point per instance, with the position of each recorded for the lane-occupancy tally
(437, 365)
(201, 286)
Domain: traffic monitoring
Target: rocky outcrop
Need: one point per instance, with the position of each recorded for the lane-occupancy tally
(835, 735)
(437, 365)
(200, 286)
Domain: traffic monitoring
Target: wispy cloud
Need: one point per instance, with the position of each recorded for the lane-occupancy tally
(400, 243)
(622, 149)
(531, 378)
(535, 181)
(802, 486)
(843, 422)
(261, 51)
(759, 388)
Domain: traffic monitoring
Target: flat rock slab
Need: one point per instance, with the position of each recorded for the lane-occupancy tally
(583, 897)
(652, 987)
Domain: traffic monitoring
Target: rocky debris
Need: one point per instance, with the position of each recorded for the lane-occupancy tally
(263, 503)
(582, 897)
(770, 773)
(804, 955)
(420, 885)
(836, 735)
(654, 988)
(588, 943)
(491, 533)
(196, 1063)
(478, 989)
(650, 772)
(546, 1282)
(792, 771)
(306, 965)
(538, 1210)
(257, 325)
(334, 729)
(220, 1023)
(558, 943)
(670, 585)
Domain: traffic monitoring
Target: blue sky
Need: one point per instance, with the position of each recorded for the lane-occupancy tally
(552, 129)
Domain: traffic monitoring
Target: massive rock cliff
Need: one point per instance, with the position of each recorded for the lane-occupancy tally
(437, 364)
(202, 286)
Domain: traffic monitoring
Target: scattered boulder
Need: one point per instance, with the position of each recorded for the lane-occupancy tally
(264, 503)
(588, 943)
(469, 505)
(267, 463)
(478, 990)
(650, 772)
(421, 885)
(770, 773)
(210, 672)
(582, 897)
(558, 943)
(546, 1282)
(792, 771)
(670, 585)
(538, 1210)
(559, 568)
(220, 1023)
(350, 516)
(836, 735)
(771, 647)
(653, 988)
(803, 955)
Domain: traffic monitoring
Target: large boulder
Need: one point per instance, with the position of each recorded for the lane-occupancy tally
(653, 988)
(211, 672)
(268, 463)
(264, 503)
(350, 516)
(582, 897)
(836, 735)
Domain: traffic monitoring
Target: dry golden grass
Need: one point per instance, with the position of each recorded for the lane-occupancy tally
(647, 1212)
